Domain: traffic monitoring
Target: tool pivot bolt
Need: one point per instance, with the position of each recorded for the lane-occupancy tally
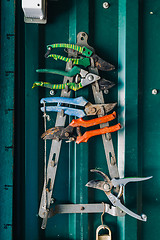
(93, 110)
(106, 5)
(154, 91)
(66, 134)
(106, 187)
(90, 77)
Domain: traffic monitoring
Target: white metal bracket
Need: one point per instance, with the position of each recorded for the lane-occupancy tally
(35, 11)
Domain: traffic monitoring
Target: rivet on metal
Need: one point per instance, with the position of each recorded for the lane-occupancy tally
(106, 5)
(90, 77)
(154, 91)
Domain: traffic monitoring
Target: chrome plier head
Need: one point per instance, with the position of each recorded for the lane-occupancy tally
(107, 186)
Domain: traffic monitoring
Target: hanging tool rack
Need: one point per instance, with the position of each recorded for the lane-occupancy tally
(124, 33)
(44, 210)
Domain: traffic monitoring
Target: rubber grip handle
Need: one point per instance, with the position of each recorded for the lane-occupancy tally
(89, 134)
(75, 70)
(81, 49)
(76, 61)
(88, 123)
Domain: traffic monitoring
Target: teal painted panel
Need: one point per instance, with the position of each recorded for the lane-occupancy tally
(7, 81)
(126, 35)
(150, 56)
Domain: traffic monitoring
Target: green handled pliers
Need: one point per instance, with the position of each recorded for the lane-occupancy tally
(82, 79)
(83, 61)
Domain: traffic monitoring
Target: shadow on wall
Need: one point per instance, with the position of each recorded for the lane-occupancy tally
(58, 8)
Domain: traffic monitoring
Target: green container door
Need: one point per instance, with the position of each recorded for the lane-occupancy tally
(127, 35)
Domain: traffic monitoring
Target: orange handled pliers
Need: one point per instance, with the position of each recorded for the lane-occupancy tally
(67, 133)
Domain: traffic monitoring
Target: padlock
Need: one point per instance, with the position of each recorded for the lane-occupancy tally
(104, 236)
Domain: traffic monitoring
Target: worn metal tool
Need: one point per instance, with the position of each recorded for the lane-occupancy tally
(83, 61)
(67, 133)
(107, 186)
(89, 108)
(44, 210)
(82, 79)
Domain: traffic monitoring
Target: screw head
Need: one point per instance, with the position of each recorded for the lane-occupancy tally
(106, 5)
(154, 91)
(106, 91)
(52, 92)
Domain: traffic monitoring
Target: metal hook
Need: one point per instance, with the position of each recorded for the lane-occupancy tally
(103, 213)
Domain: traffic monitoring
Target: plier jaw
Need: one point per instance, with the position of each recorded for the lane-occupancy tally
(101, 64)
(59, 133)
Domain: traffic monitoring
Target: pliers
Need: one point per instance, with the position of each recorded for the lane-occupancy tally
(82, 79)
(67, 133)
(107, 186)
(89, 108)
(83, 61)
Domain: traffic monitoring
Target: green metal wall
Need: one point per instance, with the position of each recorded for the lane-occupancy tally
(127, 35)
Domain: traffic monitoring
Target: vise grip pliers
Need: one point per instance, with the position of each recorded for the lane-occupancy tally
(89, 108)
(67, 133)
(83, 61)
(82, 79)
(107, 186)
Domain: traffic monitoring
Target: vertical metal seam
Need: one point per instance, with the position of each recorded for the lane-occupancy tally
(121, 98)
(72, 39)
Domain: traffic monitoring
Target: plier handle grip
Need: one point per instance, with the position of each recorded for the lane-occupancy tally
(82, 50)
(83, 61)
(82, 79)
